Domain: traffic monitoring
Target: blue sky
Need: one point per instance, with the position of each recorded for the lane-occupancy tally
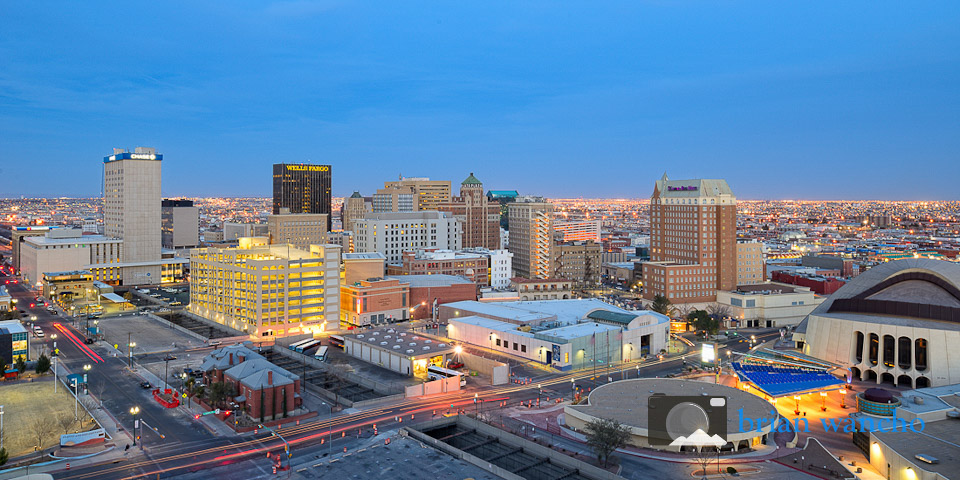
(810, 100)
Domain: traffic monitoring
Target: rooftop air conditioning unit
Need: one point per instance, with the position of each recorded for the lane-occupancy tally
(396, 347)
(410, 351)
(923, 457)
(360, 336)
(383, 344)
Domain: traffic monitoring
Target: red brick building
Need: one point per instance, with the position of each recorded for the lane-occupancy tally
(263, 390)
(819, 284)
(480, 217)
(473, 266)
(425, 289)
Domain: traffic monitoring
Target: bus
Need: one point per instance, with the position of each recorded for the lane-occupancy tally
(439, 373)
(303, 347)
(336, 341)
(293, 346)
(321, 354)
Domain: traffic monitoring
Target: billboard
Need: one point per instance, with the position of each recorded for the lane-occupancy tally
(83, 438)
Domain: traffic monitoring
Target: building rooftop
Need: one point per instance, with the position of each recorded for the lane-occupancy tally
(83, 239)
(539, 280)
(471, 180)
(402, 342)
(495, 325)
(939, 440)
(769, 288)
(12, 326)
(614, 317)
(364, 256)
(579, 330)
(430, 280)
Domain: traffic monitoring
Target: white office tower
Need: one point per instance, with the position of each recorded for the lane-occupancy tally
(131, 211)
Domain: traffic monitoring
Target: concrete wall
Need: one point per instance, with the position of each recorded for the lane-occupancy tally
(498, 372)
(446, 385)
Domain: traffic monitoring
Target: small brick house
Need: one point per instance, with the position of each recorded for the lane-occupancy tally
(264, 391)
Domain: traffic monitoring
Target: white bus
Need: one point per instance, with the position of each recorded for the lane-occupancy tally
(321, 354)
(439, 373)
(293, 346)
(336, 341)
(303, 347)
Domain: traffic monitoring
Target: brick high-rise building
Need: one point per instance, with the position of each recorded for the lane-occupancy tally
(479, 216)
(427, 194)
(354, 208)
(531, 237)
(693, 240)
(302, 189)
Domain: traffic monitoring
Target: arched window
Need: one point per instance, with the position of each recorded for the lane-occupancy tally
(888, 348)
(859, 347)
(920, 353)
(903, 353)
(874, 348)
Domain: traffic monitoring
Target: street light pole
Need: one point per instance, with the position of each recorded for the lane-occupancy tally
(1, 427)
(135, 411)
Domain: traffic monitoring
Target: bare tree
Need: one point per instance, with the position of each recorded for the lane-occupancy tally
(64, 421)
(43, 428)
(717, 310)
(683, 310)
(99, 388)
(89, 405)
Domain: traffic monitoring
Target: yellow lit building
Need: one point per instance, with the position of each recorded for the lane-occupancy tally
(267, 290)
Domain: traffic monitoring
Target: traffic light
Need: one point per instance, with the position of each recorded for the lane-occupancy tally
(196, 417)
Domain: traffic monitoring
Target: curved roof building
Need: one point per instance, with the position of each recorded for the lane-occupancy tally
(895, 324)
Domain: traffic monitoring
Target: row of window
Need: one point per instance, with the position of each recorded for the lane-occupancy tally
(506, 345)
(899, 348)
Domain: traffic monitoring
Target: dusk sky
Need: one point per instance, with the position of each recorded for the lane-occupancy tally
(806, 100)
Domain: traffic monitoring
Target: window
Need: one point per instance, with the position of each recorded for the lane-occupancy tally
(523, 348)
(514, 345)
(506, 344)
(498, 342)
(566, 357)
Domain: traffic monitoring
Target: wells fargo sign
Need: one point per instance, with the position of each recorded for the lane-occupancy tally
(308, 168)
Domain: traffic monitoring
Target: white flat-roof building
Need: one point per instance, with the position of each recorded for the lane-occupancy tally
(392, 233)
(567, 334)
(769, 304)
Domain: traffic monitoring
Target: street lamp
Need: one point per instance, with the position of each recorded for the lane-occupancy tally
(843, 398)
(166, 366)
(86, 368)
(135, 411)
(797, 398)
(539, 393)
(54, 355)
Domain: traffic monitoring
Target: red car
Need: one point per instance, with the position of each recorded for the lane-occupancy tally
(454, 365)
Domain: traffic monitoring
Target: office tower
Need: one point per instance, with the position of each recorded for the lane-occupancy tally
(395, 198)
(393, 233)
(267, 290)
(479, 217)
(750, 266)
(131, 211)
(302, 189)
(298, 229)
(693, 240)
(577, 261)
(180, 224)
(354, 207)
(531, 236)
(503, 198)
(428, 194)
(582, 230)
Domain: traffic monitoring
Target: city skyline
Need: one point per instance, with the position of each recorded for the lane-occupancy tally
(793, 104)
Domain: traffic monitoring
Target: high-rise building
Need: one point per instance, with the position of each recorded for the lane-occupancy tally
(428, 194)
(750, 266)
(503, 198)
(180, 224)
(531, 236)
(131, 211)
(480, 218)
(693, 240)
(354, 207)
(582, 230)
(395, 198)
(298, 229)
(267, 290)
(393, 233)
(578, 262)
(302, 189)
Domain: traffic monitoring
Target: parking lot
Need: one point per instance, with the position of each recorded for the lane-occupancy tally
(325, 380)
(195, 326)
(150, 335)
(173, 296)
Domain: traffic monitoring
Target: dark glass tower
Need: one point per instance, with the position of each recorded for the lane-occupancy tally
(302, 188)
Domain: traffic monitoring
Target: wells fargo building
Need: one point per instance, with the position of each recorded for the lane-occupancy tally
(302, 188)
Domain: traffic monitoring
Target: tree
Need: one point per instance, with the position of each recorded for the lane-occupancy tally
(43, 364)
(718, 311)
(4, 456)
(701, 320)
(219, 392)
(43, 428)
(21, 364)
(605, 436)
(661, 304)
(64, 421)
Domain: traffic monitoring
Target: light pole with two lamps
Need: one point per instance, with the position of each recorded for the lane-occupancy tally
(135, 411)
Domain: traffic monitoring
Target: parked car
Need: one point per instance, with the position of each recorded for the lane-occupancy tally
(454, 365)
(145, 385)
(89, 341)
(38, 332)
(164, 310)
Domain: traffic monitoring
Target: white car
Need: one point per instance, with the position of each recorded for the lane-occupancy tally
(38, 332)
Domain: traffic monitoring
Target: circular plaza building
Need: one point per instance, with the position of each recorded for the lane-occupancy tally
(655, 408)
(897, 323)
